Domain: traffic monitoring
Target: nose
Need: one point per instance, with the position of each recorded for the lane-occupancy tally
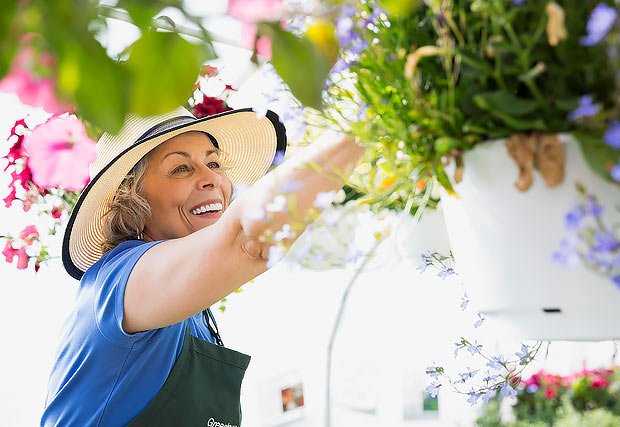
(208, 178)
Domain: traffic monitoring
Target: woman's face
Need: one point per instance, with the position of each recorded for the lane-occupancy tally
(185, 187)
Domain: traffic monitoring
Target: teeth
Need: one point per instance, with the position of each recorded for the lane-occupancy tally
(211, 207)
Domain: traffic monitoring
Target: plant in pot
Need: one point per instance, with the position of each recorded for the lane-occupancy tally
(505, 104)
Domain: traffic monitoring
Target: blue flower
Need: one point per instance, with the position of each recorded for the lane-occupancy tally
(524, 355)
(464, 302)
(605, 242)
(616, 280)
(594, 208)
(474, 348)
(601, 21)
(573, 218)
(586, 108)
(508, 391)
(612, 135)
(615, 172)
(518, 2)
(473, 397)
(480, 321)
(458, 346)
(496, 362)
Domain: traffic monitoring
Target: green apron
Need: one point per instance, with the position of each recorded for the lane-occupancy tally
(203, 387)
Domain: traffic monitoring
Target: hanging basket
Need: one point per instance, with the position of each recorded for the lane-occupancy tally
(503, 240)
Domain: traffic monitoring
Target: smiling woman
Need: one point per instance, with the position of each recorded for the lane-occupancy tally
(155, 239)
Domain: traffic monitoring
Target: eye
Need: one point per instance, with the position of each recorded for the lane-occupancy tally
(213, 165)
(181, 169)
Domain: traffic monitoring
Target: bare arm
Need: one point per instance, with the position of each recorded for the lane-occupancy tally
(178, 278)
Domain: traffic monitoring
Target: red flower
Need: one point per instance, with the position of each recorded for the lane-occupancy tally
(210, 106)
(551, 392)
(29, 234)
(56, 212)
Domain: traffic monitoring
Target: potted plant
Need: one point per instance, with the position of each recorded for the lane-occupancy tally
(506, 104)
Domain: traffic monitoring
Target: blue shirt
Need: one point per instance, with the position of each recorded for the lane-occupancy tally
(104, 376)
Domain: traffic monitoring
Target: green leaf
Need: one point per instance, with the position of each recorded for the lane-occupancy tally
(505, 103)
(399, 8)
(8, 45)
(163, 68)
(443, 144)
(600, 156)
(97, 83)
(300, 64)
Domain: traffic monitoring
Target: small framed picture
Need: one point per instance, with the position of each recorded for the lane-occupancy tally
(282, 399)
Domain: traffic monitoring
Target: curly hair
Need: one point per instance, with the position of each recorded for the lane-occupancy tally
(128, 211)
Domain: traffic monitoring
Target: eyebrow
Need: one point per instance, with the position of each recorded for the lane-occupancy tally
(185, 154)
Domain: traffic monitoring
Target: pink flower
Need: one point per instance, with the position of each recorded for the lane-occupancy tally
(29, 234)
(255, 10)
(30, 89)
(249, 40)
(60, 153)
(551, 392)
(8, 200)
(22, 258)
(599, 382)
(9, 251)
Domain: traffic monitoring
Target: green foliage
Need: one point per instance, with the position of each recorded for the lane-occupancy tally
(300, 63)
(480, 70)
(156, 75)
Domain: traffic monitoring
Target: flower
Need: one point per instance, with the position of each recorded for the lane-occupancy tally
(464, 302)
(29, 234)
(9, 251)
(60, 153)
(573, 218)
(551, 392)
(324, 200)
(32, 90)
(480, 321)
(210, 106)
(612, 135)
(615, 172)
(276, 253)
(600, 23)
(556, 30)
(255, 10)
(22, 258)
(277, 205)
(605, 242)
(586, 108)
(282, 234)
(508, 391)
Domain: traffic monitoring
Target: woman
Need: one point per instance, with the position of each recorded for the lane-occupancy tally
(155, 241)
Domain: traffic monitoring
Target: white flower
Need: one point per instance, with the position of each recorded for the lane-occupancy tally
(324, 200)
(278, 204)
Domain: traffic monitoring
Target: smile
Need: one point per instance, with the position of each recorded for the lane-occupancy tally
(208, 208)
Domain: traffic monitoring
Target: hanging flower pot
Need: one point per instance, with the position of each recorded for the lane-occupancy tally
(503, 240)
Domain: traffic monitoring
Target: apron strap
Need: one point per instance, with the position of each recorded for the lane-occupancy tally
(213, 329)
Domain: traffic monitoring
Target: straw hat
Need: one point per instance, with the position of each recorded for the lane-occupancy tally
(252, 144)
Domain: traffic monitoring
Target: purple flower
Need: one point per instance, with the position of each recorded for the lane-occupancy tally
(473, 397)
(345, 27)
(616, 280)
(594, 208)
(480, 321)
(508, 391)
(586, 108)
(573, 218)
(601, 21)
(518, 2)
(605, 242)
(615, 172)
(612, 136)
(496, 362)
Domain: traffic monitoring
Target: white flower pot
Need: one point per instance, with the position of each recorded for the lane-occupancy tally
(503, 239)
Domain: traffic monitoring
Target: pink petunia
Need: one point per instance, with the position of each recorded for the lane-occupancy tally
(60, 154)
(9, 251)
(29, 234)
(22, 258)
(32, 90)
(255, 10)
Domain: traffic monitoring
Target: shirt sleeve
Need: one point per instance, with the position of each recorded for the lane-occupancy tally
(109, 292)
